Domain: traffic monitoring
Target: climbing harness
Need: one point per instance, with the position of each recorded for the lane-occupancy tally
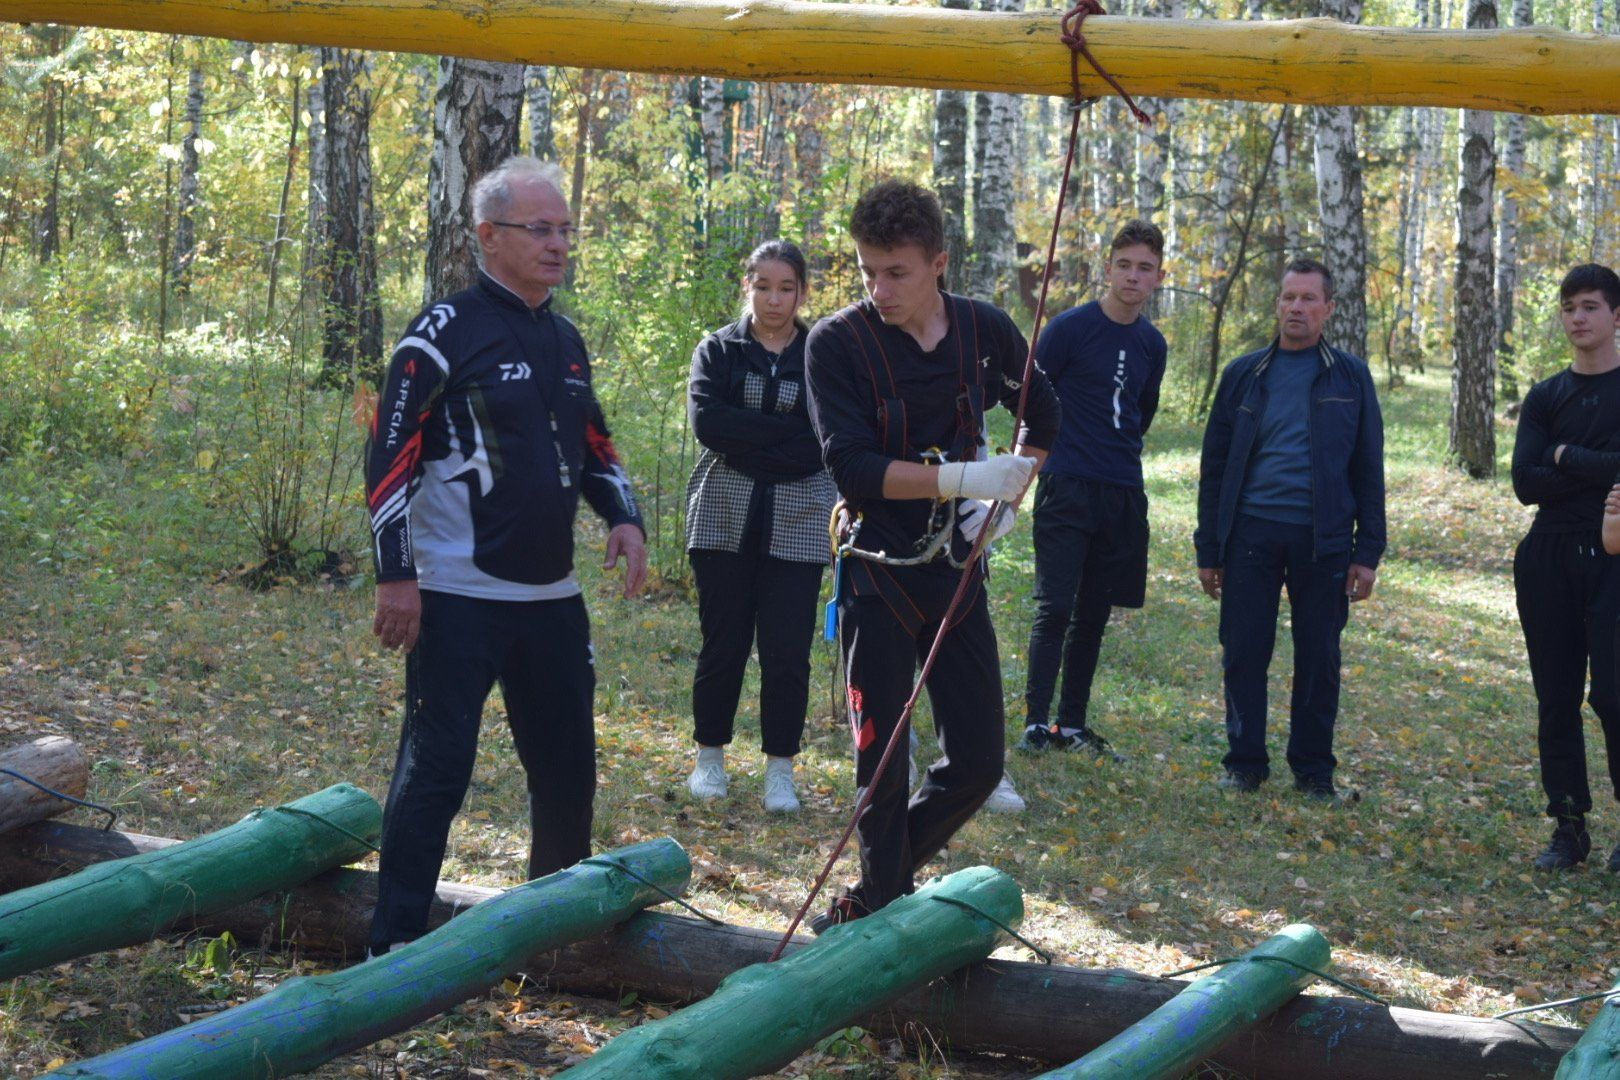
(891, 416)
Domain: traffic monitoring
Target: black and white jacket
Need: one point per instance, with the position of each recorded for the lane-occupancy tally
(760, 454)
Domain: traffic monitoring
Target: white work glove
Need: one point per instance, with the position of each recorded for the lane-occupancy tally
(1001, 479)
(972, 514)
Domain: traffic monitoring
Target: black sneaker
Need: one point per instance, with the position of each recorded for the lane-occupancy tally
(1568, 848)
(1036, 739)
(1317, 788)
(1614, 860)
(845, 909)
(1087, 740)
(1240, 781)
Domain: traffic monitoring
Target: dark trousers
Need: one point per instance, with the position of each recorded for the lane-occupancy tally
(1090, 554)
(1262, 558)
(1569, 596)
(744, 598)
(882, 657)
(540, 653)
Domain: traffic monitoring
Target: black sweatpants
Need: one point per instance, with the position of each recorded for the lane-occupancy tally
(746, 597)
(540, 653)
(1569, 597)
(882, 657)
(1091, 547)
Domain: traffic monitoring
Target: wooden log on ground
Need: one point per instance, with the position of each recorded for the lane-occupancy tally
(1189, 1027)
(306, 1022)
(762, 1017)
(132, 900)
(57, 763)
(1597, 1055)
(1303, 61)
(1050, 1013)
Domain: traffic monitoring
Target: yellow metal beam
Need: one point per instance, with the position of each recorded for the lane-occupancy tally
(1306, 61)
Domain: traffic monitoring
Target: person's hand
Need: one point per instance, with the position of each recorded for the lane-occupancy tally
(1358, 582)
(971, 515)
(626, 541)
(1001, 479)
(399, 614)
(1209, 579)
(1611, 504)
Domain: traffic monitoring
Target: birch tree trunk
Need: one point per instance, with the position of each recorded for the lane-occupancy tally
(809, 152)
(1339, 195)
(47, 226)
(315, 206)
(995, 163)
(185, 230)
(537, 87)
(1596, 198)
(712, 124)
(1153, 143)
(950, 171)
(476, 125)
(787, 100)
(1507, 232)
(1473, 373)
(352, 309)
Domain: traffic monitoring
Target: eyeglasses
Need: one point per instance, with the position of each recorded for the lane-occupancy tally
(543, 230)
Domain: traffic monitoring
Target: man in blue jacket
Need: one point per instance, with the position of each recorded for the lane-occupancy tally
(1290, 493)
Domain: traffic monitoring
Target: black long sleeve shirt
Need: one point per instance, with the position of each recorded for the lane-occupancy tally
(846, 388)
(1582, 414)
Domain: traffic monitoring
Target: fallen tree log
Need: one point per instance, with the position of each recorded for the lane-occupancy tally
(306, 1022)
(1051, 1013)
(762, 1017)
(57, 763)
(1303, 61)
(1214, 1010)
(111, 904)
(1597, 1055)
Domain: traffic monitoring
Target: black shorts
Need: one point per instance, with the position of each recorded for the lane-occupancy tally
(1102, 526)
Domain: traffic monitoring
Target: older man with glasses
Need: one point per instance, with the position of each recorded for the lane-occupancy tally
(487, 433)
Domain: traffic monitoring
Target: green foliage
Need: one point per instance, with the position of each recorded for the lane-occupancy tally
(78, 380)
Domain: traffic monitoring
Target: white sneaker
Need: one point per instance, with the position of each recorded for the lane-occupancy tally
(708, 779)
(1005, 799)
(780, 798)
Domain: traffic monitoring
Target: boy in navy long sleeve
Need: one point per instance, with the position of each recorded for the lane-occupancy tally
(1106, 361)
(1566, 455)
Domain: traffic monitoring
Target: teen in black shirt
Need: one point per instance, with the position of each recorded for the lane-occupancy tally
(1565, 457)
(898, 385)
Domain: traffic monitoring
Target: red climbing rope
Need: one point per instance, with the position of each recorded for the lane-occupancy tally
(1073, 20)
(1076, 42)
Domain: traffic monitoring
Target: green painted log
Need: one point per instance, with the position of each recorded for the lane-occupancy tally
(762, 1017)
(1191, 1026)
(133, 900)
(1597, 1055)
(305, 1022)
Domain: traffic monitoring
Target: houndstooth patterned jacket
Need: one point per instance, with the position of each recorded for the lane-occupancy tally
(749, 413)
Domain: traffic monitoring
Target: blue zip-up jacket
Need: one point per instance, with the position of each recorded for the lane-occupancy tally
(1347, 456)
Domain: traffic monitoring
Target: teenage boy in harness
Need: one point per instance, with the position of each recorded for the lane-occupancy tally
(898, 385)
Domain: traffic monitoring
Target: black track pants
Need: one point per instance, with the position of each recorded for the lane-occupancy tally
(882, 657)
(540, 653)
(1569, 596)
(744, 598)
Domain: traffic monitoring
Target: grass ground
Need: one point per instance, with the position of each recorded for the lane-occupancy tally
(198, 700)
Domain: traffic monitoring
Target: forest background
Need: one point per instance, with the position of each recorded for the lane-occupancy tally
(205, 247)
